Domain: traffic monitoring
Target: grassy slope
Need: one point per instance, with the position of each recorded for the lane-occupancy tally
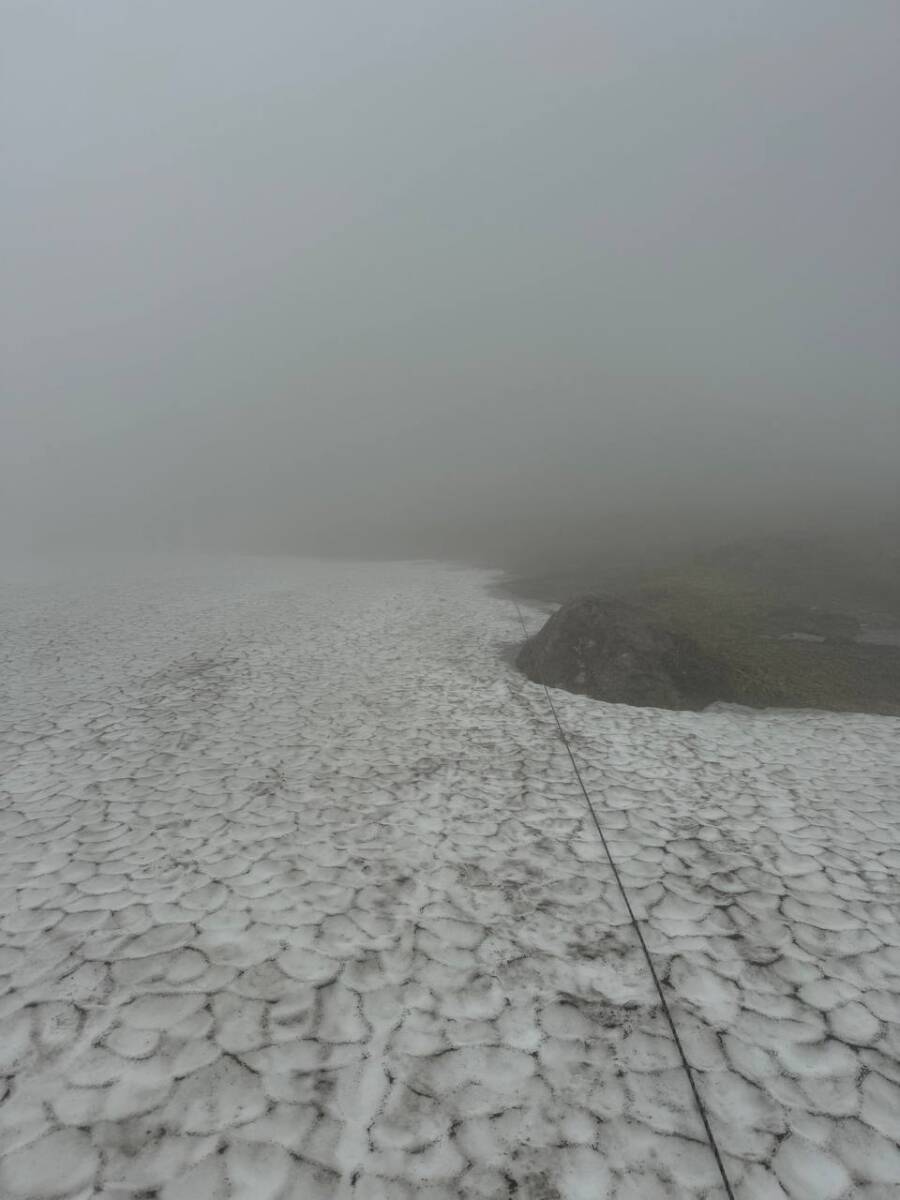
(724, 598)
(727, 617)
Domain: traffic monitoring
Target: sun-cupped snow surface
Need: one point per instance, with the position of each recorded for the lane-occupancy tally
(301, 899)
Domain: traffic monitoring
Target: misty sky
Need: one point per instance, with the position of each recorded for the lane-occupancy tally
(425, 276)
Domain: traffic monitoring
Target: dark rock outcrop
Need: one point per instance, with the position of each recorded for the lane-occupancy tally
(615, 651)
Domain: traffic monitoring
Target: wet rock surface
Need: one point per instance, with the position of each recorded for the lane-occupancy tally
(611, 650)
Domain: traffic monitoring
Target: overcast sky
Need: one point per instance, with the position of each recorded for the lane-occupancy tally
(429, 276)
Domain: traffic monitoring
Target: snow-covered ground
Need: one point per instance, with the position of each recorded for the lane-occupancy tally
(300, 899)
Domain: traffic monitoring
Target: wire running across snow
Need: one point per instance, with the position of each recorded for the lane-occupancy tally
(688, 1070)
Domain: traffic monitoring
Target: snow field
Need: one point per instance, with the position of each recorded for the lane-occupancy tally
(300, 898)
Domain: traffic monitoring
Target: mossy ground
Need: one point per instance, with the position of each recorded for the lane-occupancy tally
(728, 619)
(726, 600)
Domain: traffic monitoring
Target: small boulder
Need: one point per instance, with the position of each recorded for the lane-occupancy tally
(611, 650)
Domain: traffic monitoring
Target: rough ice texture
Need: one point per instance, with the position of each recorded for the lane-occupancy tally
(299, 899)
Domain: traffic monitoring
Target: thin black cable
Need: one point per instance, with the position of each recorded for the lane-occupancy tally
(688, 1070)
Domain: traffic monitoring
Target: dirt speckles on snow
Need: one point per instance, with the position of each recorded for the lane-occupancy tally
(300, 896)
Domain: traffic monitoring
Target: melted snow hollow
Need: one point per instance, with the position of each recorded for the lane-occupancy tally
(301, 899)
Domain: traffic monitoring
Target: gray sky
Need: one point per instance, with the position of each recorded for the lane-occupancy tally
(424, 276)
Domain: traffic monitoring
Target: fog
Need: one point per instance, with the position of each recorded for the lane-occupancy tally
(503, 279)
